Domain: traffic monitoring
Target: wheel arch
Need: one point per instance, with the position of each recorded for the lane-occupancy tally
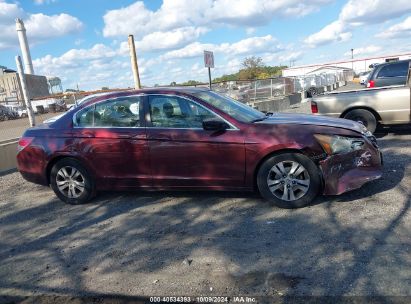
(57, 158)
(283, 151)
(375, 113)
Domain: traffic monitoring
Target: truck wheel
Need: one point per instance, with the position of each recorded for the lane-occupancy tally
(365, 117)
(289, 180)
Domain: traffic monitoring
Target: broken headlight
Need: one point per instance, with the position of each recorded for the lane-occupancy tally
(334, 144)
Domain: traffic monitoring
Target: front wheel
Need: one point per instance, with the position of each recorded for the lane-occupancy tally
(289, 180)
(71, 182)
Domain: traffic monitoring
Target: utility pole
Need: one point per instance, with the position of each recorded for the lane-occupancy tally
(134, 64)
(25, 92)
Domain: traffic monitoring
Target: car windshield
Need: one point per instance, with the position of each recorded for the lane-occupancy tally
(230, 106)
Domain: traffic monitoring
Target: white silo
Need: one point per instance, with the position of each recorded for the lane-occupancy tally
(25, 50)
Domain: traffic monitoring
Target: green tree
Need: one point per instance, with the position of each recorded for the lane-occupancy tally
(191, 82)
(252, 66)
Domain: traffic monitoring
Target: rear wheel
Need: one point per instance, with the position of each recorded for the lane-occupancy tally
(363, 116)
(71, 182)
(289, 180)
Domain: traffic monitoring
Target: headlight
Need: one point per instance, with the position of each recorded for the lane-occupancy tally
(334, 144)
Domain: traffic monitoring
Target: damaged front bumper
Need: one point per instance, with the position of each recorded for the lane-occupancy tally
(349, 171)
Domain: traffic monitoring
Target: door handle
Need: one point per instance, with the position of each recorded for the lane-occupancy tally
(87, 134)
(123, 135)
(139, 136)
(160, 137)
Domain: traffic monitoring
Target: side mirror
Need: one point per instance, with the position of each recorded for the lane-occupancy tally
(214, 125)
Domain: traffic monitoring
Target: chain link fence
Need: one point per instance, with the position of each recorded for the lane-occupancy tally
(278, 88)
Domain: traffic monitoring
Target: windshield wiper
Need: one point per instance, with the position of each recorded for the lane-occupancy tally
(267, 114)
(260, 119)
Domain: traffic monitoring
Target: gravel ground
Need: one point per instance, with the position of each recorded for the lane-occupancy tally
(180, 243)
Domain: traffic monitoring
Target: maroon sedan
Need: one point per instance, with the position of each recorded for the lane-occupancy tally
(190, 138)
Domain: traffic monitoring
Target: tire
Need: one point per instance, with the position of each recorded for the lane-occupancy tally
(365, 117)
(82, 183)
(304, 186)
(313, 91)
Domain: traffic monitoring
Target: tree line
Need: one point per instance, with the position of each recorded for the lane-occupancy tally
(251, 68)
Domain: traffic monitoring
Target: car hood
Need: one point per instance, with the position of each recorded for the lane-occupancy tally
(304, 119)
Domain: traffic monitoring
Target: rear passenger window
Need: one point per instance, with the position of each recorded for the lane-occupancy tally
(394, 70)
(120, 112)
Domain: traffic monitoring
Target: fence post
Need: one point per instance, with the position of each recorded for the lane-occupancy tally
(26, 96)
(255, 90)
(271, 88)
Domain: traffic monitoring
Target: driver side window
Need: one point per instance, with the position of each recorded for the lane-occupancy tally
(119, 112)
(177, 112)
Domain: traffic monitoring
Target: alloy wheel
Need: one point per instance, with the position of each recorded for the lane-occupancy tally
(288, 180)
(70, 182)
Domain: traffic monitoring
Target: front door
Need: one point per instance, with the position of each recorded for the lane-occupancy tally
(183, 154)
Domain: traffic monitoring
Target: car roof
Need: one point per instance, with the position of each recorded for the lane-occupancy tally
(155, 90)
(394, 62)
(181, 89)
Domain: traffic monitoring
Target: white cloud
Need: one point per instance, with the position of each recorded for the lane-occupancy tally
(195, 49)
(373, 11)
(138, 20)
(303, 9)
(367, 50)
(250, 30)
(334, 32)
(39, 27)
(357, 13)
(399, 30)
(40, 2)
(252, 45)
(291, 56)
(92, 68)
(171, 39)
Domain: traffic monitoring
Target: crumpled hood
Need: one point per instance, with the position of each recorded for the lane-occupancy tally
(304, 119)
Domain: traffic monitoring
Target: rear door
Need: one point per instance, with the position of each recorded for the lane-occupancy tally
(183, 154)
(110, 136)
(392, 74)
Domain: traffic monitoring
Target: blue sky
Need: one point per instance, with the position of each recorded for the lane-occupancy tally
(84, 42)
